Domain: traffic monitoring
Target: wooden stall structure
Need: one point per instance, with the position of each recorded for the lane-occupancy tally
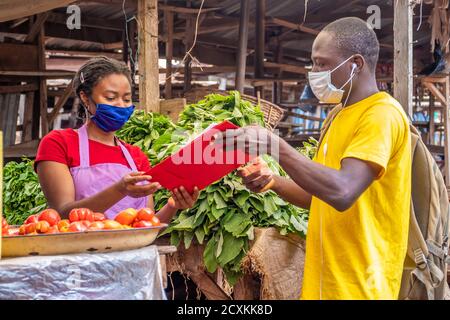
(265, 49)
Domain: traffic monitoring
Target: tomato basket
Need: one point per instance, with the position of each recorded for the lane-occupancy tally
(79, 242)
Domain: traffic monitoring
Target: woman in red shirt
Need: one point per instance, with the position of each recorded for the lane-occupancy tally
(90, 167)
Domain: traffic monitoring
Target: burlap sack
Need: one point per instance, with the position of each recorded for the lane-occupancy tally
(278, 261)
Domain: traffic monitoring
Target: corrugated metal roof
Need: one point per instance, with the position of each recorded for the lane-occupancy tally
(318, 14)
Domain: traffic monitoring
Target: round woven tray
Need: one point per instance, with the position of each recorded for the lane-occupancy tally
(272, 113)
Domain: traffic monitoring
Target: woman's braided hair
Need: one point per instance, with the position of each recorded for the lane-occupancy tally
(92, 72)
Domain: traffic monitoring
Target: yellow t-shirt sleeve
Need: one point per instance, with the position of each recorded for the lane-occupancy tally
(377, 136)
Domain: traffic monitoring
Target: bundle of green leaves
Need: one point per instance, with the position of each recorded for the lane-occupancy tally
(22, 194)
(226, 213)
(143, 129)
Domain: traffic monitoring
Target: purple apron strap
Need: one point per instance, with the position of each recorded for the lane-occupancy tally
(127, 155)
(83, 142)
(84, 150)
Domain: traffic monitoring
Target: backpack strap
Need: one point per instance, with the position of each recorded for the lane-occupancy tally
(327, 122)
(419, 249)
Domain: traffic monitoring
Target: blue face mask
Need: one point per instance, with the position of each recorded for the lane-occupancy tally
(111, 118)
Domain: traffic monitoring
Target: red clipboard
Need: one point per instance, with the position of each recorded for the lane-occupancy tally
(199, 164)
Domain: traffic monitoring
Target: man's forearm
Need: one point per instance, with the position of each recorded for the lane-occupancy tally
(291, 192)
(314, 178)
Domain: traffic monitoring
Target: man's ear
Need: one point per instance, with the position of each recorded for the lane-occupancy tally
(359, 61)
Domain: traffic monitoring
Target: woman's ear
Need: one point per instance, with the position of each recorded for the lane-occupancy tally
(86, 102)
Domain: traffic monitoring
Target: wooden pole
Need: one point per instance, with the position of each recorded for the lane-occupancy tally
(260, 38)
(445, 118)
(403, 54)
(42, 101)
(148, 55)
(125, 44)
(189, 36)
(431, 123)
(278, 86)
(168, 17)
(133, 49)
(242, 49)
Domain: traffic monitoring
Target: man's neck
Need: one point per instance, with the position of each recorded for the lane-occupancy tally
(364, 90)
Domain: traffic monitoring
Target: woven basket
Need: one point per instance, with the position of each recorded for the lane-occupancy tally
(272, 113)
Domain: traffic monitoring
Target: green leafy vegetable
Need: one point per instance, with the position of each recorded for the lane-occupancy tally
(22, 194)
(226, 212)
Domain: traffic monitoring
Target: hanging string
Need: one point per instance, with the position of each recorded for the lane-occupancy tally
(130, 49)
(306, 10)
(420, 21)
(187, 55)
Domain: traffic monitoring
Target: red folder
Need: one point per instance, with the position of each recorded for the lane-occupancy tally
(199, 164)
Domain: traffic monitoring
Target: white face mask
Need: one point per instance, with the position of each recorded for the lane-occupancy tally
(323, 89)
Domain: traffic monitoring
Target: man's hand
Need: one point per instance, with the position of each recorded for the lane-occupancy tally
(253, 140)
(257, 176)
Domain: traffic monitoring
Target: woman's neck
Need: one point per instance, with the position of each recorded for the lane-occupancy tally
(97, 134)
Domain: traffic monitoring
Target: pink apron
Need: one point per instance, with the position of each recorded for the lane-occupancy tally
(89, 180)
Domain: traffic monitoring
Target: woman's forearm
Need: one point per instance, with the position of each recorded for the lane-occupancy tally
(166, 214)
(100, 202)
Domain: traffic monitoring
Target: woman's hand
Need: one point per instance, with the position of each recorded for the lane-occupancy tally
(181, 199)
(129, 186)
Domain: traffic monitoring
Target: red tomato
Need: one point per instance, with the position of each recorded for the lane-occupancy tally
(63, 225)
(142, 224)
(77, 226)
(53, 229)
(145, 214)
(30, 228)
(86, 223)
(126, 217)
(42, 226)
(112, 225)
(155, 221)
(5, 227)
(99, 216)
(22, 229)
(31, 219)
(49, 215)
(80, 214)
(97, 225)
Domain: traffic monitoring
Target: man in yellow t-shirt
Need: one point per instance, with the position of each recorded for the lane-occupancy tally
(358, 186)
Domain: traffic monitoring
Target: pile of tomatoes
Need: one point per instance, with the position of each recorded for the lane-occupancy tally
(5, 228)
(82, 219)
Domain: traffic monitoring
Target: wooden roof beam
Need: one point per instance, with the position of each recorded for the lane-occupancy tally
(286, 67)
(292, 25)
(37, 25)
(86, 21)
(184, 9)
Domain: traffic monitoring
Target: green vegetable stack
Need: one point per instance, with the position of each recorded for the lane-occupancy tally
(226, 213)
(22, 194)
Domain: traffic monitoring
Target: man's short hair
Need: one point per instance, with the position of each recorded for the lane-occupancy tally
(354, 36)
